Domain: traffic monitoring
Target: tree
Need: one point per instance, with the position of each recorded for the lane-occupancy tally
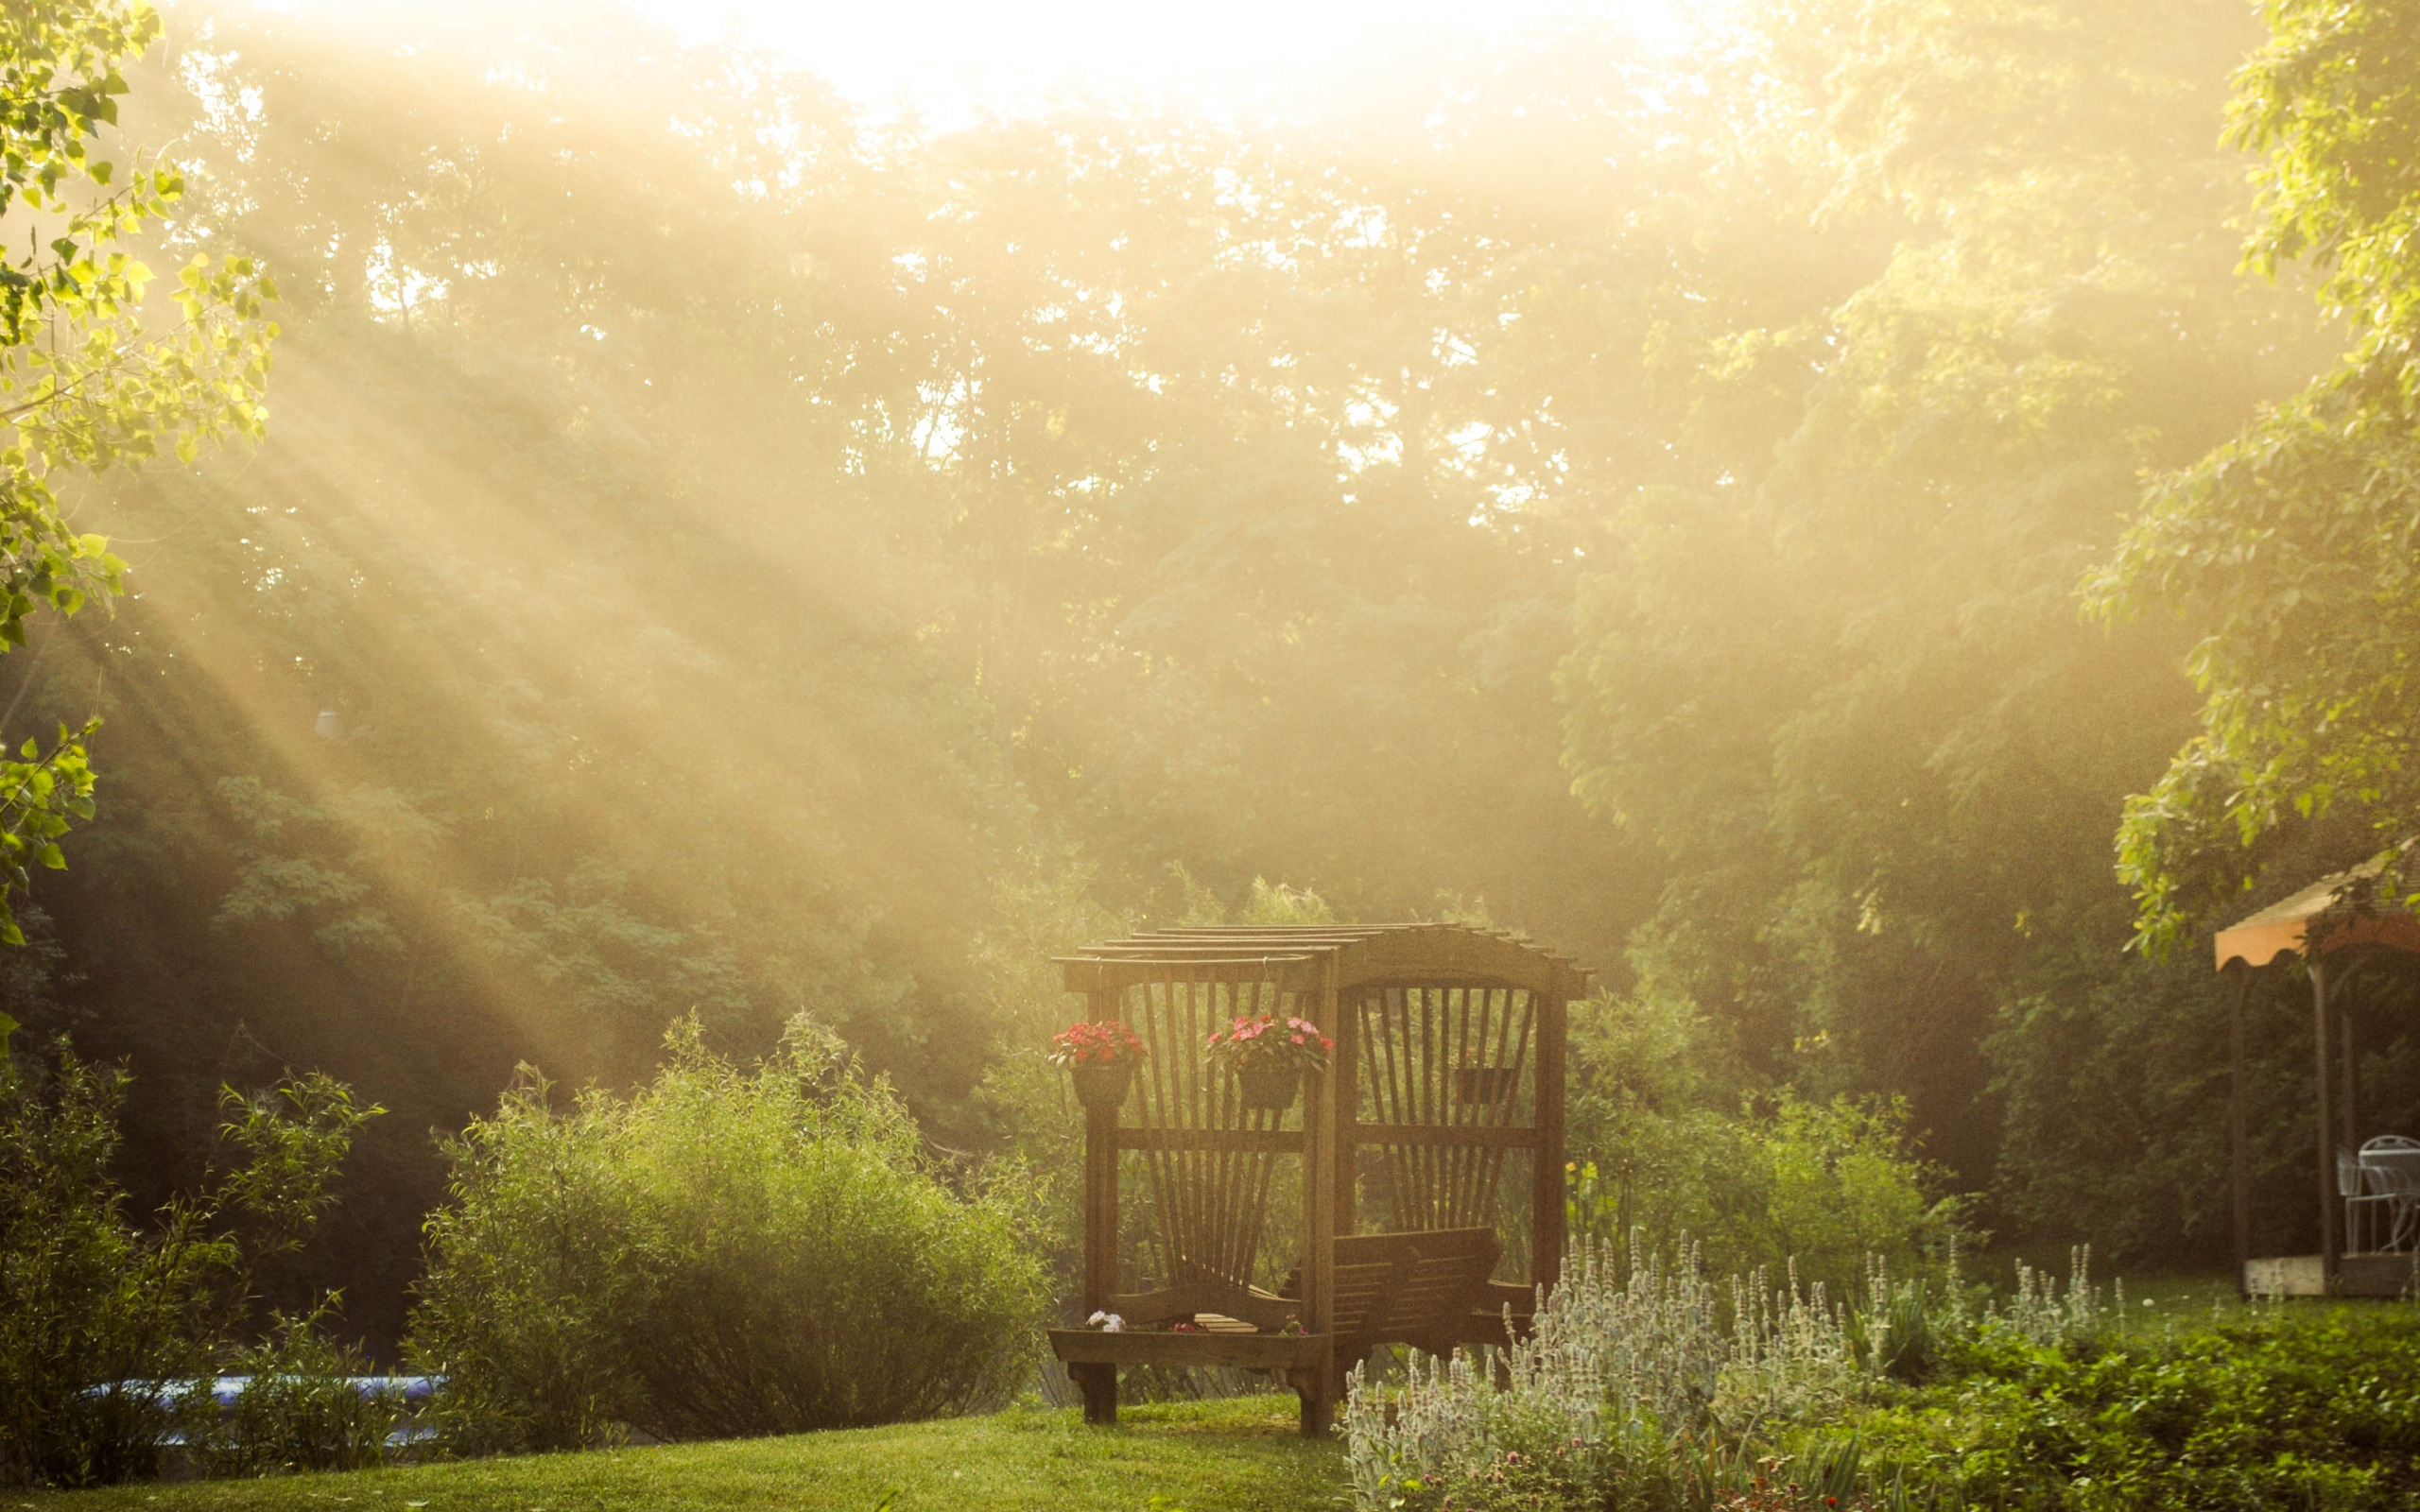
(86, 384)
(1843, 690)
(2293, 549)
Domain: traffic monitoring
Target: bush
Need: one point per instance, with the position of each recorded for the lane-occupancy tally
(303, 1406)
(2277, 1408)
(96, 1319)
(103, 1326)
(1661, 1394)
(1773, 1181)
(724, 1253)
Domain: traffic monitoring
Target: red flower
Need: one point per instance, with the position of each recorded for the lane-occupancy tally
(1257, 1042)
(1088, 1044)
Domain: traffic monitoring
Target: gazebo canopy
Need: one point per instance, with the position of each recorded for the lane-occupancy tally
(2328, 915)
(2285, 926)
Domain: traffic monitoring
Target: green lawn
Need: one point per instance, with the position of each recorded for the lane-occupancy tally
(1241, 1455)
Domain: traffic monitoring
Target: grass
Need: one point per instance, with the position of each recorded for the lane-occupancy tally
(1238, 1456)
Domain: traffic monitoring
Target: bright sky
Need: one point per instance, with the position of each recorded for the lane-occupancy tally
(951, 56)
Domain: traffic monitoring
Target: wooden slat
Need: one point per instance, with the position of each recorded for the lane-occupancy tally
(1546, 1180)
(1480, 1135)
(1248, 1351)
(1191, 1299)
(1091, 973)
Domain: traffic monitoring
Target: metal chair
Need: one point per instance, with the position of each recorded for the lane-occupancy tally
(2389, 1175)
(2354, 1184)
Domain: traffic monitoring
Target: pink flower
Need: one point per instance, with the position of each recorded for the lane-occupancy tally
(1266, 1040)
(1106, 1043)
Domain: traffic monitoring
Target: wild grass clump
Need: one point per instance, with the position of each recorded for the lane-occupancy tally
(724, 1253)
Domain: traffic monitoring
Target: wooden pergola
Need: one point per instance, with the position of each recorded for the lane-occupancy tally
(1448, 1066)
(2315, 926)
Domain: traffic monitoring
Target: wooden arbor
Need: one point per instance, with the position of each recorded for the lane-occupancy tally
(1449, 1069)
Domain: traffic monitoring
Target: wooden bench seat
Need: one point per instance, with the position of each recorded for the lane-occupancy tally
(1245, 1351)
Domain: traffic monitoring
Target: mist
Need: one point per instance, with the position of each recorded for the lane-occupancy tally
(730, 544)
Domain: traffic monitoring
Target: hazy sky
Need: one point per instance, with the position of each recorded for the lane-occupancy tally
(950, 55)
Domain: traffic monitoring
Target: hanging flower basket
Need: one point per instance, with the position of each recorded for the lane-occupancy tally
(1100, 1059)
(1102, 1084)
(1268, 1057)
(1271, 1088)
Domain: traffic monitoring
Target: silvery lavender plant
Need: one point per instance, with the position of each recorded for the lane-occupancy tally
(1621, 1387)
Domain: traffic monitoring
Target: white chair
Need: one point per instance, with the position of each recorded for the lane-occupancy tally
(2365, 1198)
(2389, 1177)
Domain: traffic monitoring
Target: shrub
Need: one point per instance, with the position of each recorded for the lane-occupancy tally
(103, 1326)
(96, 1319)
(1658, 1395)
(723, 1253)
(2274, 1408)
(1779, 1184)
(1614, 1393)
(304, 1405)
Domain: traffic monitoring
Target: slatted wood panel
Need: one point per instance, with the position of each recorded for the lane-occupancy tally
(1209, 1194)
(1409, 1286)
(1413, 1007)
(1421, 1050)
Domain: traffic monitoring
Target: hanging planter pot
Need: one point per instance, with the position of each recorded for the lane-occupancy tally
(1268, 1057)
(1270, 1088)
(1483, 1085)
(1102, 1083)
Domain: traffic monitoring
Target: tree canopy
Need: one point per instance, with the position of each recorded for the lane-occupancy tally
(85, 384)
(721, 551)
(2291, 548)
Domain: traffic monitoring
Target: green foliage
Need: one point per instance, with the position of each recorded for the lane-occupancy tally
(1642, 1388)
(102, 1325)
(86, 1300)
(304, 1407)
(723, 1253)
(2143, 1176)
(2333, 100)
(2290, 549)
(2281, 1410)
(1777, 1181)
(1843, 690)
(292, 1139)
(1638, 1396)
(534, 1272)
(85, 384)
(770, 560)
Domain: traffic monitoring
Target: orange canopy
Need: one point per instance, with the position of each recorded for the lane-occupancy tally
(2284, 925)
